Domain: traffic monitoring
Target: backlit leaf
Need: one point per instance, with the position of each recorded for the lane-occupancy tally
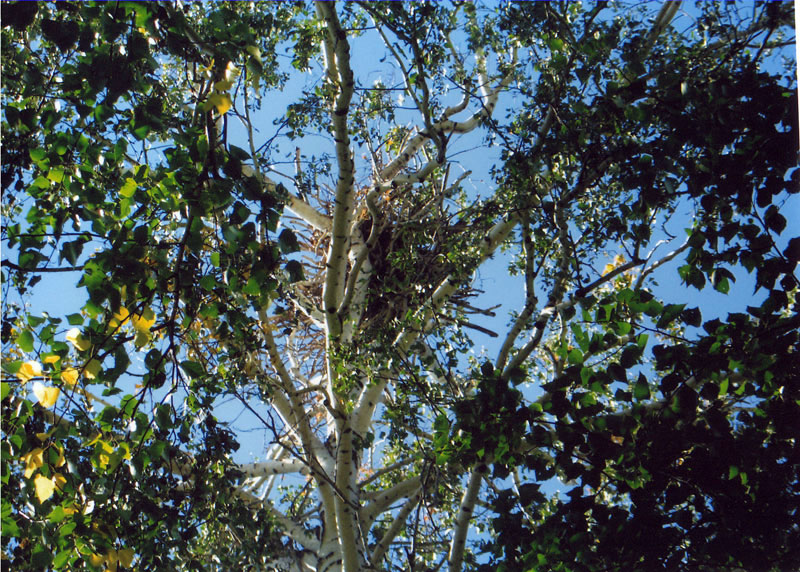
(129, 188)
(29, 370)
(47, 396)
(70, 376)
(44, 487)
(75, 337)
(33, 460)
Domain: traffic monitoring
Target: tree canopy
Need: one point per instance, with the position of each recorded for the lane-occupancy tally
(282, 211)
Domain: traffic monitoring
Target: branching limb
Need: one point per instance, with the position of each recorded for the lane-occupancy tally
(398, 524)
(530, 300)
(361, 269)
(382, 500)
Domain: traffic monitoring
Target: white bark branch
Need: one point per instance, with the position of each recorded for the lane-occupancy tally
(274, 467)
(341, 76)
(458, 544)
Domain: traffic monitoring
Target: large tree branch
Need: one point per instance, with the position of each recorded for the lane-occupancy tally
(341, 77)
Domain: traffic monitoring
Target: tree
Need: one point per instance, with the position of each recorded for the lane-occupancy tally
(329, 289)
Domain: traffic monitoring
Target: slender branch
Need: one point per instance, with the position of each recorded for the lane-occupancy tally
(40, 270)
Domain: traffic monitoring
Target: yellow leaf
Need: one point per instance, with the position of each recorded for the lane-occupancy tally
(29, 370)
(52, 358)
(104, 453)
(126, 557)
(33, 460)
(221, 101)
(96, 559)
(223, 85)
(619, 260)
(61, 460)
(91, 369)
(59, 481)
(70, 376)
(120, 317)
(145, 321)
(75, 337)
(44, 487)
(47, 396)
(43, 436)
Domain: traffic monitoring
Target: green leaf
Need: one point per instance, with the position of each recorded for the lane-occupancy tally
(41, 182)
(575, 356)
(622, 328)
(64, 33)
(56, 174)
(193, 369)
(153, 359)
(288, 241)
(61, 558)
(129, 188)
(37, 154)
(641, 390)
(25, 341)
(75, 319)
(252, 288)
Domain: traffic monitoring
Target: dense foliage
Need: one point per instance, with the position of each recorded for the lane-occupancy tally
(286, 205)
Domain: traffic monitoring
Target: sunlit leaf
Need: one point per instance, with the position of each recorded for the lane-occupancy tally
(29, 370)
(44, 487)
(129, 188)
(47, 396)
(70, 376)
(221, 101)
(119, 318)
(145, 321)
(75, 337)
(33, 460)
